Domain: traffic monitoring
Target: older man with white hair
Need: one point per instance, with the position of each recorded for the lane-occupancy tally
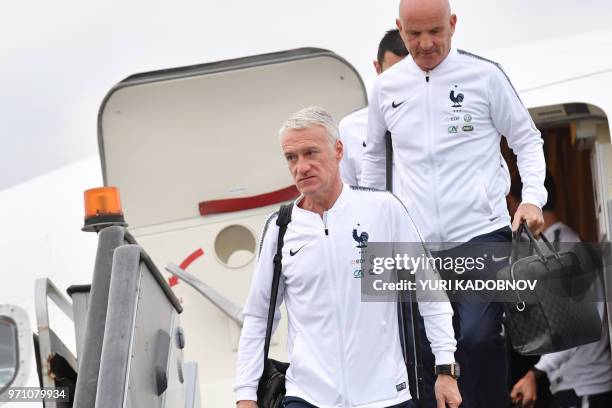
(343, 352)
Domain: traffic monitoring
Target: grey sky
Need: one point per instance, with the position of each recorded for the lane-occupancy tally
(60, 58)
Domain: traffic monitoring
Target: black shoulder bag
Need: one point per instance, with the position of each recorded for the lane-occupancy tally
(555, 316)
(271, 388)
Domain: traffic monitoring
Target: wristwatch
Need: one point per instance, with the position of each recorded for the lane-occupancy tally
(539, 374)
(451, 369)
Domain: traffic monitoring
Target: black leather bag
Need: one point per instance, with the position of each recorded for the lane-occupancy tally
(556, 315)
(271, 387)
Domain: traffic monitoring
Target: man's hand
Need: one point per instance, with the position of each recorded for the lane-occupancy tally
(525, 391)
(246, 404)
(530, 213)
(447, 392)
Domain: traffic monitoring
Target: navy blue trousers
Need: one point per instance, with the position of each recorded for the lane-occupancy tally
(481, 350)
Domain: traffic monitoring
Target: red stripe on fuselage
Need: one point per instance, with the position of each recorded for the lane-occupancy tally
(246, 203)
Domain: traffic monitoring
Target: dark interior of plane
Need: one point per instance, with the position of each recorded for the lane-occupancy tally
(569, 163)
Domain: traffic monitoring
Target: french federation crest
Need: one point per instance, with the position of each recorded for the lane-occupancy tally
(362, 239)
(456, 99)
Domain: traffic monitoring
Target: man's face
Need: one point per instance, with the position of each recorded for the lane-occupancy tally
(389, 59)
(312, 160)
(426, 31)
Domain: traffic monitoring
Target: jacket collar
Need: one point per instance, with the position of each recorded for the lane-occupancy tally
(446, 62)
(338, 205)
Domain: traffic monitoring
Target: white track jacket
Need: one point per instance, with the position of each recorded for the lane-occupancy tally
(343, 352)
(446, 126)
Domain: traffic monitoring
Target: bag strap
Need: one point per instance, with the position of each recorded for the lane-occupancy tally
(406, 307)
(557, 240)
(284, 218)
(389, 162)
(553, 248)
(516, 240)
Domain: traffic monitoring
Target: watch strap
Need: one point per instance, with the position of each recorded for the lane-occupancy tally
(448, 369)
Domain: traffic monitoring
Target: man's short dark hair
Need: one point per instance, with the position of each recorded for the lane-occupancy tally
(391, 42)
(516, 189)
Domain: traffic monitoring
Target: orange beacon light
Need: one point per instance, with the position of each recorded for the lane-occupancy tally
(102, 208)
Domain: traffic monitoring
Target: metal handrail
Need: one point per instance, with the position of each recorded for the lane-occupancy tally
(45, 289)
(229, 308)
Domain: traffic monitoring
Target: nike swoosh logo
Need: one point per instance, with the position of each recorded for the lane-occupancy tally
(496, 259)
(395, 105)
(292, 253)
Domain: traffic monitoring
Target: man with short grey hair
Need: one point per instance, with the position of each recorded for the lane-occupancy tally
(342, 352)
(309, 118)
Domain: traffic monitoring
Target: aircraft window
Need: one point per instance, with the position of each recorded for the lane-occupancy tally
(235, 246)
(9, 352)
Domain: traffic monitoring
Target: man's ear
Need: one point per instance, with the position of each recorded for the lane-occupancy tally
(453, 22)
(377, 67)
(398, 23)
(339, 150)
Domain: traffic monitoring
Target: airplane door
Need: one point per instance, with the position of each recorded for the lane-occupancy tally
(601, 160)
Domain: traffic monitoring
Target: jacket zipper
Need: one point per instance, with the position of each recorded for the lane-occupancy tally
(330, 256)
(325, 223)
(432, 161)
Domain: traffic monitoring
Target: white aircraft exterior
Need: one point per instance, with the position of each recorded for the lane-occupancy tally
(42, 217)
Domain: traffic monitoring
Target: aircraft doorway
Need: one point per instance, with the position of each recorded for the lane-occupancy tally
(570, 144)
(578, 155)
